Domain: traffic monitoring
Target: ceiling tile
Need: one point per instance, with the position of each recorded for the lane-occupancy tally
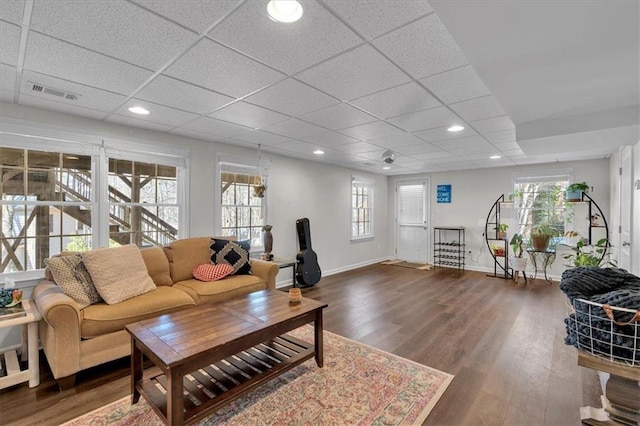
(372, 18)
(7, 78)
(213, 127)
(365, 132)
(88, 97)
(56, 58)
(465, 146)
(442, 134)
(208, 137)
(39, 102)
(292, 98)
(512, 152)
(398, 100)
(493, 125)
(6, 96)
(135, 122)
(338, 117)
(435, 52)
(373, 155)
(248, 115)
(168, 91)
(290, 48)
(478, 109)
(457, 165)
(501, 137)
(507, 146)
(261, 137)
(117, 29)
(396, 140)
(298, 146)
(330, 138)
(157, 113)
(12, 11)
(417, 149)
(343, 78)
(218, 68)
(427, 119)
(199, 16)
(456, 85)
(358, 147)
(295, 129)
(436, 156)
(10, 35)
(499, 162)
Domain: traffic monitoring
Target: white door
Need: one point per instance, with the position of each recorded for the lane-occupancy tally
(626, 195)
(412, 229)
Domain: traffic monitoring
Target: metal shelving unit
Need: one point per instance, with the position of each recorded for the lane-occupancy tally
(449, 246)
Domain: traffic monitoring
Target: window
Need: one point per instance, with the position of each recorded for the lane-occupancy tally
(50, 199)
(242, 203)
(540, 200)
(361, 208)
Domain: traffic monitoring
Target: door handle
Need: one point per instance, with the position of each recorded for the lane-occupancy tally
(626, 243)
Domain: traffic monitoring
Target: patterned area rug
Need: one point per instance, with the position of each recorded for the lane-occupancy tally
(357, 385)
(412, 265)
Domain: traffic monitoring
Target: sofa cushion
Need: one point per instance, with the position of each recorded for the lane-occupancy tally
(73, 279)
(234, 253)
(186, 254)
(119, 273)
(100, 318)
(157, 265)
(208, 272)
(233, 285)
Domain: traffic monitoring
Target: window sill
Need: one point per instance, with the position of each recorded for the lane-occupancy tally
(362, 239)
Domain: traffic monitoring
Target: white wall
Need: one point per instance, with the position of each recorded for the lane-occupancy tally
(635, 216)
(475, 191)
(297, 188)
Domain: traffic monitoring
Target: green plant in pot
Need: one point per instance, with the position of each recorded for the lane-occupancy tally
(575, 190)
(597, 255)
(541, 235)
(502, 231)
(516, 261)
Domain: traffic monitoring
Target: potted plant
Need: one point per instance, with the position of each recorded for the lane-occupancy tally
(541, 235)
(502, 231)
(259, 190)
(517, 262)
(575, 190)
(597, 255)
(497, 251)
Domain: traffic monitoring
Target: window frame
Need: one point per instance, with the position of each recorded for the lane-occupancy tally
(368, 184)
(100, 150)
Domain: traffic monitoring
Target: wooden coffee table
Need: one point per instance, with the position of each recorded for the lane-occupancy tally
(211, 354)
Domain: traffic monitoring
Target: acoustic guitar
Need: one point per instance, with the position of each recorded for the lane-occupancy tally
(307, 271)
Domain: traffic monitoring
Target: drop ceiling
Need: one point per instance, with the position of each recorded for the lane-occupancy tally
(531, 81)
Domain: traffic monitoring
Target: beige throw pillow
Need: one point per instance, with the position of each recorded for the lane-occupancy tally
(119, 273)
(73, 279)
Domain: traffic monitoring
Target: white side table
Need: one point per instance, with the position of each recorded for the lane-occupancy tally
(29, 349)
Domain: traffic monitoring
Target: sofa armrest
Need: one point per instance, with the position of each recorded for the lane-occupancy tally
(265, 270)
(59, 328)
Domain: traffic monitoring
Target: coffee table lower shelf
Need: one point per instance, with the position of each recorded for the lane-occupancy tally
(215, 385)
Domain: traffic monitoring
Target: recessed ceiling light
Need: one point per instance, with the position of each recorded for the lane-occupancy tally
(286, 11)
(495, 157)
(139, 110)
(318, 152)
(386, 168)
(71, 157)
(455, 128)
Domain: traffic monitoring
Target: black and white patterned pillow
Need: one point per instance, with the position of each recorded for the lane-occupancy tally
(71, 275)
(234, 253)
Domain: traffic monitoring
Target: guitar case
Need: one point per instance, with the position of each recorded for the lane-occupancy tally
(307, 269)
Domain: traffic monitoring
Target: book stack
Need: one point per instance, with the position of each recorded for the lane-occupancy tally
(12, 312)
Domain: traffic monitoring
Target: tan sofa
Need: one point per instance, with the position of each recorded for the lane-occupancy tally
(75, 339)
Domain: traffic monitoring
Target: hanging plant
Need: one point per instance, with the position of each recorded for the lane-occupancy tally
(259, 190)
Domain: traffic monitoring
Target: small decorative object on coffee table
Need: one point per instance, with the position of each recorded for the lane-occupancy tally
(295, 295)
(243, 338)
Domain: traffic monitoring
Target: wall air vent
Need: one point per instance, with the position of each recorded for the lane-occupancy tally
(36, 87)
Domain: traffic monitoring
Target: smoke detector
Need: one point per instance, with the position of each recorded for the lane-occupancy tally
(48, 90)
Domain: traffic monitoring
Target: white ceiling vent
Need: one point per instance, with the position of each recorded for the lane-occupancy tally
(41, 88)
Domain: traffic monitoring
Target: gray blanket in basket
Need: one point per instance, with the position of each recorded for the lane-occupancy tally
(596, 333)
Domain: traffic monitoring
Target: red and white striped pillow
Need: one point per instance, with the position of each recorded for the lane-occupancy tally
(212, 272)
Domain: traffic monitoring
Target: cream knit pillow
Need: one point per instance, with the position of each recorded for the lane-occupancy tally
(119, 273)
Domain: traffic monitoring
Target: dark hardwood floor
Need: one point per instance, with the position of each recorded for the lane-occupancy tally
(502, 341)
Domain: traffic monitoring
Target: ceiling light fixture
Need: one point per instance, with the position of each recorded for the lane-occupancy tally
(318, 152)
(455, 128)
(388, 156)
(139, 110)
(386, 167)
(495, 157)
(286, 11)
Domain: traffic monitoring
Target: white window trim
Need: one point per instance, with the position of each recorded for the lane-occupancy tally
(362, 181)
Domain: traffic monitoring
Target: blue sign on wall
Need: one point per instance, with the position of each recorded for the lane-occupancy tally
(444, 193)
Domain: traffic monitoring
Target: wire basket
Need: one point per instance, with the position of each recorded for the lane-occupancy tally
(606, 331)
